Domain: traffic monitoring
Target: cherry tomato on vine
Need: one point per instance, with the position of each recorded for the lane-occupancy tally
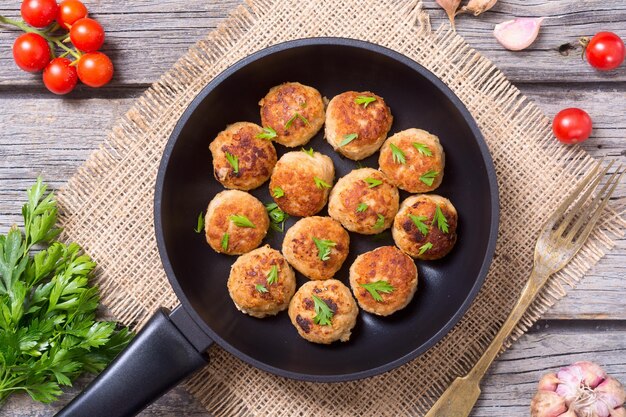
(605, 51)
(59, 76)
(95, 69)
(69, 12)
(572, 126)
(87, 35)
(31, 52)
(39, 13)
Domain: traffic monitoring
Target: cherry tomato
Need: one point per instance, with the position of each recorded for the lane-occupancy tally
(87, 35)
(39, 13)
(572, 125)
(95, 69)
(59, 76)
(31, 52)
(69, 12)
(605, 51)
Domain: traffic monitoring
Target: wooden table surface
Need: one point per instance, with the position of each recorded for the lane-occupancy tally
(52, 136)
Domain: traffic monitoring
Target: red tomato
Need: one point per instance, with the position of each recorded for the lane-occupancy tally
(59, 76)
(39, 13)
(95, 69)
(605, 51)
(87, 35)
(31, 52)
(572, 125)
(69, 12)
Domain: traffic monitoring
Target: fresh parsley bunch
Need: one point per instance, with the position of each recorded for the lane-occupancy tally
(48, 329)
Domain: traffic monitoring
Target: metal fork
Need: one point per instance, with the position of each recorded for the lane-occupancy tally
(564, 233)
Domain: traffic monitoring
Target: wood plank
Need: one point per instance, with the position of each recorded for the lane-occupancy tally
(145, 38)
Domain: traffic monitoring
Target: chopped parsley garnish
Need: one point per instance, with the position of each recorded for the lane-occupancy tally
(429, 177)
(364, 100)
(294, 117)
(442, 222)
(324, 246)
(323, 313)
(380, 221)
(260, 288)
(277, 217)
(272, 276)
(423, 149)
(320, 183)
(397, 154)
(348, 138)
(241, 220)
(309, 151)
(426, 246)
(267, 133)
(361, 207)
(378, 286)
(372, 182)
(418, 221)
(200, 226)
(278, 192)
(225, 241)
(233, 161)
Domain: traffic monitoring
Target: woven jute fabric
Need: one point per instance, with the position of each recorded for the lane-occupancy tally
(106, 207)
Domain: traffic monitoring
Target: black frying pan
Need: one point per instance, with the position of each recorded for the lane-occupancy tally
(172, 345)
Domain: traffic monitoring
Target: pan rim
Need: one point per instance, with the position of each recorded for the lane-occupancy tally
(440, 85)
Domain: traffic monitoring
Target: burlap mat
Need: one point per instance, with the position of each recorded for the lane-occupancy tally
(107, 206)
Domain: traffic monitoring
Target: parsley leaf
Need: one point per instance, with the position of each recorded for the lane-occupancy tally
(442, 222)
(200, 226)
(397, 154)
(323, 248)
(267, 133)
(423, 149)
(418, 221)
(272, 276)
(309, 151)
(323, 313)
(426, 246)
(260, 288)
(225, 239)
(361, 207)
(378, 286)
(364, 100)
(320, 183)
(380, 221)
(298, 116)
(372, 182)
(348, 138)
(278, 192)
(233, 161)
(429, 177)
(241, 221)
(277, 217)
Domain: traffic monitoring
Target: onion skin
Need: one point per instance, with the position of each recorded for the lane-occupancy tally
(582, 389)
(478, 7)
(450, 6)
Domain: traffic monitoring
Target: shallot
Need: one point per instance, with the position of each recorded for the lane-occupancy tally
(518, 34)
(477, 7)
(579, 390)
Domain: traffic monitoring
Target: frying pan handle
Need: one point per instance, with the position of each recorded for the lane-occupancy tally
(167, 349)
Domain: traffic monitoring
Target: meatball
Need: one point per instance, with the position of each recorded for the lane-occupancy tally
(357, 123)
(425, 226)
(301, 182)
(240, 159)
(235, 222)
(323, 311)
(261, 283)
(364, 201)
(413, 160)
(316, 246)
(383, 280)
(294, 111)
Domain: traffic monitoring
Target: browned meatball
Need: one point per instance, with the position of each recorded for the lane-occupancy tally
(316, 246)
(357, 123)
(235, 222)
(301, 182)
(294, 111)
(261, 283)
(413, 160)
(383, 280)
(309, 311)
(364, 201)
(425, 226)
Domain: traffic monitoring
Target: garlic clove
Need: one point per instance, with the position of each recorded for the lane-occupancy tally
(592, 374)
(518, 34)
(548, 382)
(611, 392)
(450, 6)
(618, 412)
(547, 404)
(478, 7)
